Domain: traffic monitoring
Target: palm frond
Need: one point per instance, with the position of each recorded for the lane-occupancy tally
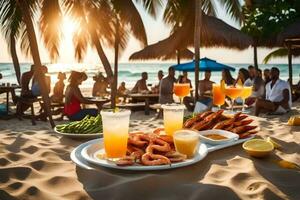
(50, 26)
(151, 6)
(234, 9)
(25, 46)
(209, 7)
(281, 52)
(129, 15)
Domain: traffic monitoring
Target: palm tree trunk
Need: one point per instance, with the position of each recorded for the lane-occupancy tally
(290, 65)
(38, 75)
(14, 57)
(101, 53)
(197, 39)
(115, 81)
(255, 56)
(178, 57)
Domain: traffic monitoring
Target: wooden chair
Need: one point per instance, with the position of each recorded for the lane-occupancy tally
(30, 102)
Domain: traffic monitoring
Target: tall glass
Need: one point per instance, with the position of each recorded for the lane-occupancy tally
(218, 96)
(233, 92)
(173, 117)
(115, 132)
(247, 91)
(181, 90)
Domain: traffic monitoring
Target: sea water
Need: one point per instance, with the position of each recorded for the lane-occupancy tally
(131, 72)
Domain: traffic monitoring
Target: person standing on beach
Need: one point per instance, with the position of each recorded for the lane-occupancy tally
(278, 96)
(166, 87)
(141, 85)
(160, 75)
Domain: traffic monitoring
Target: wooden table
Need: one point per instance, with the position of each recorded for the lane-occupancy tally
(99, 101)
(8, 89)
(146, 98)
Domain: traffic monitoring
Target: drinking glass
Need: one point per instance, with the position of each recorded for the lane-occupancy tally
(218, 96)
(233, 92)
(173, 117)
(181, 90)
(247, 91)
(115, 132)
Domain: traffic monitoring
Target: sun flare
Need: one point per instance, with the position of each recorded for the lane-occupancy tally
(69, 26)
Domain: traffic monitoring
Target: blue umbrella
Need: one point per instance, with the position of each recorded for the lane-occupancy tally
(205, 64)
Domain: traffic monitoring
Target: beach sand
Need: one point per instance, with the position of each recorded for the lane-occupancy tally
(35, 164)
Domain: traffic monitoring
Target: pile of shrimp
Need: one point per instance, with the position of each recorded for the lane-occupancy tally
(150, 149)
(216, 120)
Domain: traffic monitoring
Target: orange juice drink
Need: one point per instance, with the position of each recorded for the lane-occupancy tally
(186, 142)
(218, 95)
(115, 132)
(181, 89)
(233, 92)
(247, 91)
(173, 118)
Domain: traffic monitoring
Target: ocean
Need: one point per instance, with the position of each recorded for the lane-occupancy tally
(131, 72)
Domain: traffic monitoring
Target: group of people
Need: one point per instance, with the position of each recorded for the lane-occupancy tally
(270, 93)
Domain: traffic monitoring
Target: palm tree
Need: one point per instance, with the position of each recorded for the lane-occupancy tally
(107, 22)
(27, 8)
(12, 26)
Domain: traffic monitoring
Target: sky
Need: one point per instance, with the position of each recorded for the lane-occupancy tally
(156, 30)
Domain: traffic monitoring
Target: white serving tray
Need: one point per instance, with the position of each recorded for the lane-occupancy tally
(90, 151)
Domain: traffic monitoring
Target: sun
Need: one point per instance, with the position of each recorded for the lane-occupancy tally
(69, 26)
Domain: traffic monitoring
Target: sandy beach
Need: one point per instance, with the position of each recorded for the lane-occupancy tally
(35, 164)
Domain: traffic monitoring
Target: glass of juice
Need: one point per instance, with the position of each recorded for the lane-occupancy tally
(218, 96)
(181, 90)
(233, 92)
(173, 117)
(115, 132)
(247, 91)
(186, 142)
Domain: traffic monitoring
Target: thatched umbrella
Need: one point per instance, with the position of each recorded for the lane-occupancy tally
(214, 33)
(158, 51)
(290, 37)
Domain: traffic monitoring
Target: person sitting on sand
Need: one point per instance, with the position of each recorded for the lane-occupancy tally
(160, 75)
(278, 96)
(166, 87)
(58, 90)
(267, 78)
(100, 86)
(205, 93)
(141, 85)
(227, 77)
(74, 98)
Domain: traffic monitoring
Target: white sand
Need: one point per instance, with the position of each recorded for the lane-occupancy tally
(35, 164)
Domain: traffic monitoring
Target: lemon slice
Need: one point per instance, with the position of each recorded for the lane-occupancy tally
(258, 147)
(275, 144)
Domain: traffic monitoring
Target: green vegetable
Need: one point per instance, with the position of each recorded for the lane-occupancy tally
(87, 125)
